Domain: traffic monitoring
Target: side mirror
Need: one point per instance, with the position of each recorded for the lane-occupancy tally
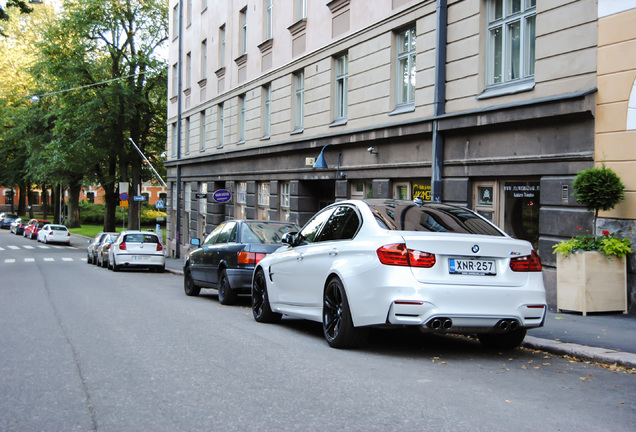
(195, 242)
(288, 239)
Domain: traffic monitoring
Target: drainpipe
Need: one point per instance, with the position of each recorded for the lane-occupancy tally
(439, 101)
(178, 143)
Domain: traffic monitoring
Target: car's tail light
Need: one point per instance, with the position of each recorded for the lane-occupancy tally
(108, 246)
(528, 263)
(51, 233)
(250, 257)
(159, 247)
(397, 254)
(122, 246)
(68, 234)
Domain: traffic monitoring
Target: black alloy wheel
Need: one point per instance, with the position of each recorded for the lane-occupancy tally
(337, 324)
(261, 309)
(226, 295)
(188, 284)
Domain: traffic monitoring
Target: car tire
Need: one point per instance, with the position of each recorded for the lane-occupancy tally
(188, 284)
(337, 324)
(226, 295)
(510, 340)
(261, 308)
(88, 259)
(160, 269)
(104, 263)
(115, 267)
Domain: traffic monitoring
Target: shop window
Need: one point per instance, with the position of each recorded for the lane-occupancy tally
(241, 200)
(262, 211)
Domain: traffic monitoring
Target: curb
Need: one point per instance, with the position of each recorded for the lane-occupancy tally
(600, 355)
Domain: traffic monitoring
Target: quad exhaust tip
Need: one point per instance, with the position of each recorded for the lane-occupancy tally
(507, 325)
(440, 323)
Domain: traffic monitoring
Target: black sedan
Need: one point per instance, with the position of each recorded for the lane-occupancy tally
(226, 259)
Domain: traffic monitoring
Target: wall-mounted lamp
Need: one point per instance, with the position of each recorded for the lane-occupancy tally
(322, 163)
(372, 150)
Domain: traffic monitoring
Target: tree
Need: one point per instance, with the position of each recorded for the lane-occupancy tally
(105, 52)
(20, 5)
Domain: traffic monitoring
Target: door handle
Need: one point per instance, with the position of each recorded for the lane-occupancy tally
(299, 257)
(333, 252)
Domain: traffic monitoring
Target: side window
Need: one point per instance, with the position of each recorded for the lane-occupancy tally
(211, 238)
(342, 225)
(228, 234)
(312, 228)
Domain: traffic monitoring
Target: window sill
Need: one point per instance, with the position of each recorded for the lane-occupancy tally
(506, 89)
(338, 122)
(402, 109)
(297, 131)
(266, 137)
(240, 142)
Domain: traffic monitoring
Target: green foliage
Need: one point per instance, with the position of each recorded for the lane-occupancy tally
(599, 189)
(609, 244)
(94, 214)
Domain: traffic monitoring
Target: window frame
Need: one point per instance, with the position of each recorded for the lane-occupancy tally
(243, 30)
(202, 120)
(341, 83)
(406, 57)
(221, 123)
(267, 111)
(299, 99)
(242, 111)
(502, 74)
(204, 59)
(269, 19)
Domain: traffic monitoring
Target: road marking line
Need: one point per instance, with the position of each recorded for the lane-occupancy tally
(49, 259)
(9, 260)
(1, 248)
(67, 259)
(13, 247)
(44, 247)
(29, 260)
(28, 247)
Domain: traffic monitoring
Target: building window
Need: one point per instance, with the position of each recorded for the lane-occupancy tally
(204, 59)
(189, 12)
(301, 9)
(188, 70)
(406, 66)
(263, 201)
(242, 120)
(175, 139)
(222, 46)
(269, 19)
(175, 79)
(220, 123)
(202, 120)
(174, 197)
(204, 5)
(285, 199)
(187, 137)
(342, 76)
(361, 190)
(188, 198)
(241, 199)
(203, 202)
(175, 21)
(299, 100)
(267, 111)
(511, 40)
(243, 37)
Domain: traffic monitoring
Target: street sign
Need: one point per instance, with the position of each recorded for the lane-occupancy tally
(201, 195)
(139, 198)
(123, 196)
(222, 196)
(123, 203)
(159, 204)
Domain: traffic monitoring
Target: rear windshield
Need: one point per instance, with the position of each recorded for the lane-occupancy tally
(430, 217)
(261, 232)
(58, 228)
(141, 238)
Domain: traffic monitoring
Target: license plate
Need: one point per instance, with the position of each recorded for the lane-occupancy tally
(138, 258)
(472, 267)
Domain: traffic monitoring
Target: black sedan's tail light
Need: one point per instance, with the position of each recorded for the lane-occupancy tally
(250, 257)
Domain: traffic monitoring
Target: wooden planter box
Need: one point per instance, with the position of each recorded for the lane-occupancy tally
(591, 282)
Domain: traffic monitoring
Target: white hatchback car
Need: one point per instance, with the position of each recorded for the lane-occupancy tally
(378, 262)
(53, 233)
(137, 249)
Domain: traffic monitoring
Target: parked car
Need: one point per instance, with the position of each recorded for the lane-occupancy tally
(53, 233)
(361, 263)
(102, 250)
(93, 246)
(17, 226)
(6, 219)
(137, 249)
(227, 257)
(31, 229)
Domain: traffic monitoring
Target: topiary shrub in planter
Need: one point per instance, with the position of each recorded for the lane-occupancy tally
(591, 269)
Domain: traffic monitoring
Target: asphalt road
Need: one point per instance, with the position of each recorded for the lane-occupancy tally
(83, 348)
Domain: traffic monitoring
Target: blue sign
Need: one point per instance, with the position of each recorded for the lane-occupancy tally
(139, 198)
(159, 204)
(123, 196)
(222, 196)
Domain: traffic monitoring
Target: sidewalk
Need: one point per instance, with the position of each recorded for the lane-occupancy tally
(604, 338)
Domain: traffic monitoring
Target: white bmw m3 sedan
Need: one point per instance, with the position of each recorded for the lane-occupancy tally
(377, 262)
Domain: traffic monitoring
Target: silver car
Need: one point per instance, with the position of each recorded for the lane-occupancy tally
(137, 249)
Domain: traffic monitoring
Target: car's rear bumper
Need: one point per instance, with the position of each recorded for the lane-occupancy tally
(240, 280)
(139, 260)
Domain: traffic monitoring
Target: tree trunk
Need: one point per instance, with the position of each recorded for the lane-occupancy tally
(74, 190)
(22, 199)
(55, 196)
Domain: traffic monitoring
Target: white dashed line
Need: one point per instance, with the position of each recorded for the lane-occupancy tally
(29, 260)
(49, 259)
(9, 261)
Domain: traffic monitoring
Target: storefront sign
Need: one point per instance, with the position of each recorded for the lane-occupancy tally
(222, 196)
(421, 190)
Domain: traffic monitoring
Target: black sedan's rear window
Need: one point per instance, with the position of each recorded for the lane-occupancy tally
(431, 217)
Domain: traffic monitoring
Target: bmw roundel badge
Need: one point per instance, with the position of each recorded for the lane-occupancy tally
(475, 249)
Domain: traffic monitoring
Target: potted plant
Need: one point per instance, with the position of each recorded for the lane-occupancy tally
(591, 269)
